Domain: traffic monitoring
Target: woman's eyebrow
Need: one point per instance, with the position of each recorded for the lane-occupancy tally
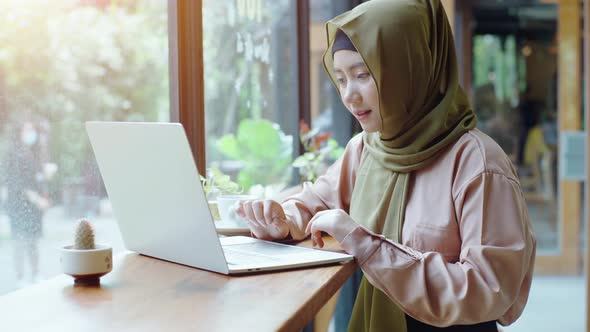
(351, 67)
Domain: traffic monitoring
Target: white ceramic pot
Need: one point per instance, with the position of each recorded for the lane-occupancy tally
(87, 265)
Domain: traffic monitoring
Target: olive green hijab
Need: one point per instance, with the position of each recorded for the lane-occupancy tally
(408, 47)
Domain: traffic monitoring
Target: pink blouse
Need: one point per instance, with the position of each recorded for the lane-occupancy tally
(467, 250)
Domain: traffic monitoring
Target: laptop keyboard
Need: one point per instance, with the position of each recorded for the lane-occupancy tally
(235, 256)
(259, 253)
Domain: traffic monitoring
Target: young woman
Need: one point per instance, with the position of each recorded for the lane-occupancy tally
(430, 207)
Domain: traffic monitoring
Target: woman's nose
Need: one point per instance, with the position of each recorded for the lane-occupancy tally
(351, 94)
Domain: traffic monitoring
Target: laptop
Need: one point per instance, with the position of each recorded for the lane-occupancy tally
(161, 209)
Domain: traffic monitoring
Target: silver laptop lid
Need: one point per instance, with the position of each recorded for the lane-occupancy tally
(155, 190)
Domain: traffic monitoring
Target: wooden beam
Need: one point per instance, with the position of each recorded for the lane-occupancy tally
(187, 90)
(562, 263)
(586, 38)
(303, 22)
(569, 118)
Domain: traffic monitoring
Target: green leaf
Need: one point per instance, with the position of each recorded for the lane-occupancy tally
(300, 161)
(260, 138)
(228, 145)
(336, 151)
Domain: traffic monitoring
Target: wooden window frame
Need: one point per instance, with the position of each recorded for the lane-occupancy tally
(187, 88)
(303, 21)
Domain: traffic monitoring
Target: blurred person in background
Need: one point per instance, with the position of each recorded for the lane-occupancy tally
(25, 202)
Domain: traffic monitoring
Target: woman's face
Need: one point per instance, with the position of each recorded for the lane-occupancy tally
(357, 89)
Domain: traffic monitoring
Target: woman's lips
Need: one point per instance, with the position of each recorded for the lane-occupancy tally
(362, 115)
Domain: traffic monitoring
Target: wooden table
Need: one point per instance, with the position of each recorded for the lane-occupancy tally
(146, 294)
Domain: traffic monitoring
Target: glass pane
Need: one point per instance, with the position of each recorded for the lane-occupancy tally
(515, 98)
(251, 97)
(325, 101)
(62, 63)
(328, 114)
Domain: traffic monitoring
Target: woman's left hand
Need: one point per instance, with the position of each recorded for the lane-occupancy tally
(336, 223)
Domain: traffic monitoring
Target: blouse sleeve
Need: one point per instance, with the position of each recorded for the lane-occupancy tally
(492, 278)
(330, 191)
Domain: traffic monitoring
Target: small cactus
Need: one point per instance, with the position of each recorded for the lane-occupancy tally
(84, 235)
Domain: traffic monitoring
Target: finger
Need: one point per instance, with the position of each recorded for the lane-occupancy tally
(240, 209)
(316, 239)
(237, 207)
(258, 209)
(250, 213)
(233, 212)
(268, 210)
(320, 240)
(258, 231)
(308, 229)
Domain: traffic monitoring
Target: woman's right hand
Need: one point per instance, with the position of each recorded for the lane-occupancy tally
(266, 218)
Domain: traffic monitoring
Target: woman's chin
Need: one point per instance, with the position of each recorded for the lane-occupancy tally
(369, 129)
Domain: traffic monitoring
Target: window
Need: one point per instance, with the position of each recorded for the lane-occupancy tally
(515, 101)
(328, 114)
(251, 91)
(62, 63)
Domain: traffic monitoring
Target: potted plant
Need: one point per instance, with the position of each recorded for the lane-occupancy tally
(319, 149)
(264, 151)
(85, 260)
(222, 193)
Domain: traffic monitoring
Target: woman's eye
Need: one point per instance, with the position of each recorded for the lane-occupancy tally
(340, 81)
(362, 75)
